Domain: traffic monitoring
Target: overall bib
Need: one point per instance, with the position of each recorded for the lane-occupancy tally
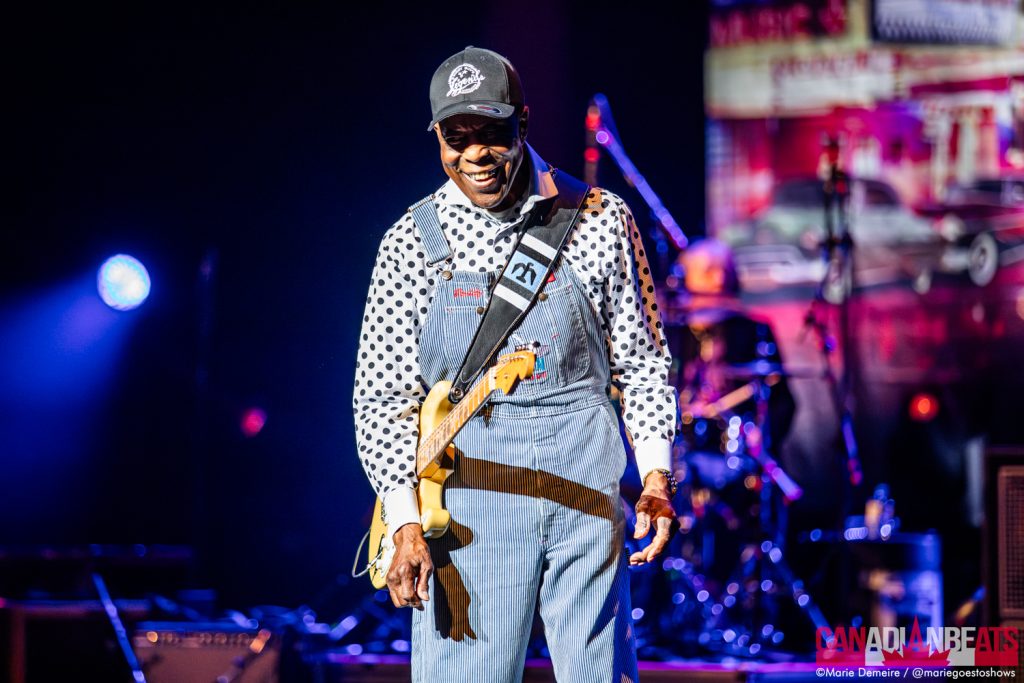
(536, 516)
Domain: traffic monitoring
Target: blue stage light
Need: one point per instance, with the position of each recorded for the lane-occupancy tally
(123, 282)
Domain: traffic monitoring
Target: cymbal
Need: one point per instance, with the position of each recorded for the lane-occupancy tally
(762, 368)
(710, 315)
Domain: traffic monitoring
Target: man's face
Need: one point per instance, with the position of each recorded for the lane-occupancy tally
(483, 155)
(704, 274)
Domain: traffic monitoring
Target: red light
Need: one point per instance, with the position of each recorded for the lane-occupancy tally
(253, 420)
(923, 407)
(592, 155)
(592, 121)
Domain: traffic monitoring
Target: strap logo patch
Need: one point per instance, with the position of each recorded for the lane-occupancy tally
(464, 79)
(525, 270)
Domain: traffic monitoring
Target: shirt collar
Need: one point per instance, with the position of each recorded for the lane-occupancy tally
(542, 186)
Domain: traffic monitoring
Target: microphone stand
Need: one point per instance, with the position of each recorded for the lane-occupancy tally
(601, 132)
(120, 632)
(835, 290)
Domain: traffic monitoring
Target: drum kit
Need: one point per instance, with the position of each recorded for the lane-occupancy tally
(725, 582)
(726, 578)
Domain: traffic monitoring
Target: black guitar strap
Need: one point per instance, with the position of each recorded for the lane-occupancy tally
(522, 278)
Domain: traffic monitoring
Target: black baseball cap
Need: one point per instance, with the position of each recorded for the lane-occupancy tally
(475, 81)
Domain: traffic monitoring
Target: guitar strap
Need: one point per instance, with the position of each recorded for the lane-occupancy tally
(522, 278)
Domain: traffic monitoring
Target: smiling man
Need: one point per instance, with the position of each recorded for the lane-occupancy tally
(482, 156)
(537, 523)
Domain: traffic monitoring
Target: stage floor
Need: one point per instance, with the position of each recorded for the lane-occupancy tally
(395, 669)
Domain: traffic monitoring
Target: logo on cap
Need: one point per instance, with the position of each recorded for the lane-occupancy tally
(464, 79)
(484, 107)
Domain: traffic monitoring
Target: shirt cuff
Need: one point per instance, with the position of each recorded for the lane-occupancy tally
(401, 507)
(653, 454)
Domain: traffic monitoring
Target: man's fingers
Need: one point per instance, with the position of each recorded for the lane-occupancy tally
(423, 585)
(401, 600)
(402, 586)
(641, 557)
(661, 538)
(643, 521)
(397, 599)
(647, 554)
(411, 568)
(408, 588)
(658, 543)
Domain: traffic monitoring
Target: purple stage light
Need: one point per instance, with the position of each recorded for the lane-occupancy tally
(123, 282)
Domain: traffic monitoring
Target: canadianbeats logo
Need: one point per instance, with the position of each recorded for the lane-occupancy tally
(844, 647)
(464, 79)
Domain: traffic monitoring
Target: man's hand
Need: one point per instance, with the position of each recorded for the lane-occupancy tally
(654, 508)
(410, 568)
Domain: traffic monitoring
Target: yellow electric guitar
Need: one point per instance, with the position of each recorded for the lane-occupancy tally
(440, 421)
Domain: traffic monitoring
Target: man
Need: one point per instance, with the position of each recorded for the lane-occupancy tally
(534, 501)
(723, 347)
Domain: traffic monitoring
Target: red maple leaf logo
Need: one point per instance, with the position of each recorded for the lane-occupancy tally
(915, 658)
(915, 652)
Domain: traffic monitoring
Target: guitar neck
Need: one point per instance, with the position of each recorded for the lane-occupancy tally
(431, 449)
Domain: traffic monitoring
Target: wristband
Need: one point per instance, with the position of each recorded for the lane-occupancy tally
(673, 485)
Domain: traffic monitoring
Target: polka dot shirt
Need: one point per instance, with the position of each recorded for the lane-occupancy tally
(606, 253)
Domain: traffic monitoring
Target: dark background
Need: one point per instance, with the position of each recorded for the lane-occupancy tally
(252, 160)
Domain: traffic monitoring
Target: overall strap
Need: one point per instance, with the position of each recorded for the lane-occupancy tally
(424, 215)
(522, 278)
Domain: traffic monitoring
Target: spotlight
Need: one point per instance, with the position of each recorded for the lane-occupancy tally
(123, 282)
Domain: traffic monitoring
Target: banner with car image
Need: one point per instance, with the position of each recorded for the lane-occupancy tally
(931, 139)
(870, 182)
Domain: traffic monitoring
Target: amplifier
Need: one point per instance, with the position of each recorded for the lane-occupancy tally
(1004, 535)
(1003, 558)
(177, 652)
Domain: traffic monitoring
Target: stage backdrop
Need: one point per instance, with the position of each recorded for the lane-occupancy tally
(901, 125)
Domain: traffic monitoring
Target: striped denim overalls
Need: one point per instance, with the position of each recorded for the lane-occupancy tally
(536, 514)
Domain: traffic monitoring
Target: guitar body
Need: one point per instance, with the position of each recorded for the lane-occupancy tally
(433, 516)
(430, 491)
(440, 421)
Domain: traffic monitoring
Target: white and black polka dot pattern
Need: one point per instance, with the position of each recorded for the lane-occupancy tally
(604, 250)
